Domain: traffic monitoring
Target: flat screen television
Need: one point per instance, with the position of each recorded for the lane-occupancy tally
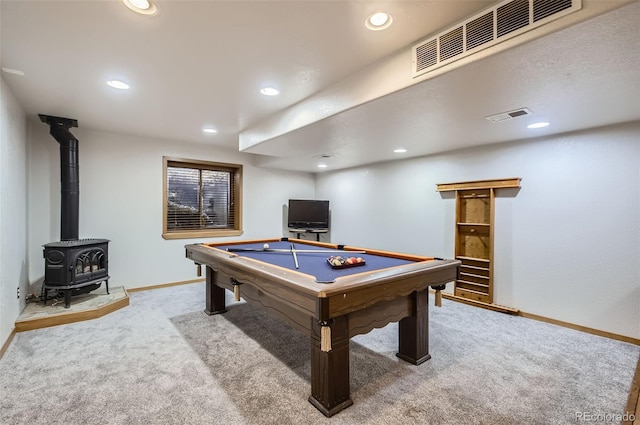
(308, 214)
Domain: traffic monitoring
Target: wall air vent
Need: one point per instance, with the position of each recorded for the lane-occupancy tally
(511, 17)
(451, 44)
(504, 116)
(500, 22)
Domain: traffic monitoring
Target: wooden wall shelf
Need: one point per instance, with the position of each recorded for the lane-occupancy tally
(480, 184)
(475, 203)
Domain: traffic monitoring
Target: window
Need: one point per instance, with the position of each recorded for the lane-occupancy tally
(201, 199)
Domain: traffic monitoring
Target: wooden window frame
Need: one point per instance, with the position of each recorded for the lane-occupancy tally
(208, 165)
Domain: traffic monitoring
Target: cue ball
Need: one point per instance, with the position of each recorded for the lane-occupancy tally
(265, 246)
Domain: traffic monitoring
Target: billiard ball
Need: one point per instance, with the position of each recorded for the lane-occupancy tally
(265, 246)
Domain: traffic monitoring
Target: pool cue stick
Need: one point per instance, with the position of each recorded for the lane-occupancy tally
(295, 256)
(312, 251)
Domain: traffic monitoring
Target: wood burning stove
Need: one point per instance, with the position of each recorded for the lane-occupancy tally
(75, 267)
(72, 266)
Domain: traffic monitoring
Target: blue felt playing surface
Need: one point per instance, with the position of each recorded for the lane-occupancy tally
(314, 264)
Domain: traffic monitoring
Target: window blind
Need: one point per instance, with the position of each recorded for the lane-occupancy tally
(200, 197)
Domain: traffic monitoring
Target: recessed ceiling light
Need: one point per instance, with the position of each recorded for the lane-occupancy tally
(322, 165)
(538, 125)
(399, 150)
(269, 91)
(378, 21)
(209, 130)
(117, 84)
(143, 7)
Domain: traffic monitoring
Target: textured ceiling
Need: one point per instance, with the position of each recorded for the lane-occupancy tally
(202, 63)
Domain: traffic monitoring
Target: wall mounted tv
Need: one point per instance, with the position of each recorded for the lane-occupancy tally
(308, 214)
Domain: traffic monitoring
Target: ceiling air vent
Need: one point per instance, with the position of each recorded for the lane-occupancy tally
(504, 116)
(501, 22)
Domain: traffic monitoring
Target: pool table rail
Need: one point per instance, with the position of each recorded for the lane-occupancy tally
(295, 289)
(374, 286)
(323, 300)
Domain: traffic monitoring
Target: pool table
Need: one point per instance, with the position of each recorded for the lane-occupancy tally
(328, 304)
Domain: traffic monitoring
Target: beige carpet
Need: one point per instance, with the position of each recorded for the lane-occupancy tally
(162, 361)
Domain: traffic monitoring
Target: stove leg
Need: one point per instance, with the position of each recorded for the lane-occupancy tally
(67, 298)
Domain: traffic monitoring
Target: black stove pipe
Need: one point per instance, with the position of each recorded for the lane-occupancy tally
(69, 174)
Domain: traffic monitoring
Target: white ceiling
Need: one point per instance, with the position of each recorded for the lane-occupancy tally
(201, 63)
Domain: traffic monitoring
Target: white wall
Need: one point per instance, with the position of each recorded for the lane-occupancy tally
(567, 244)
(13, 210)
(121, 200)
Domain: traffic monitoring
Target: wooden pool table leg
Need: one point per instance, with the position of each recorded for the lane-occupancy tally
(330, 369)
(413, 331)
(215, 295)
